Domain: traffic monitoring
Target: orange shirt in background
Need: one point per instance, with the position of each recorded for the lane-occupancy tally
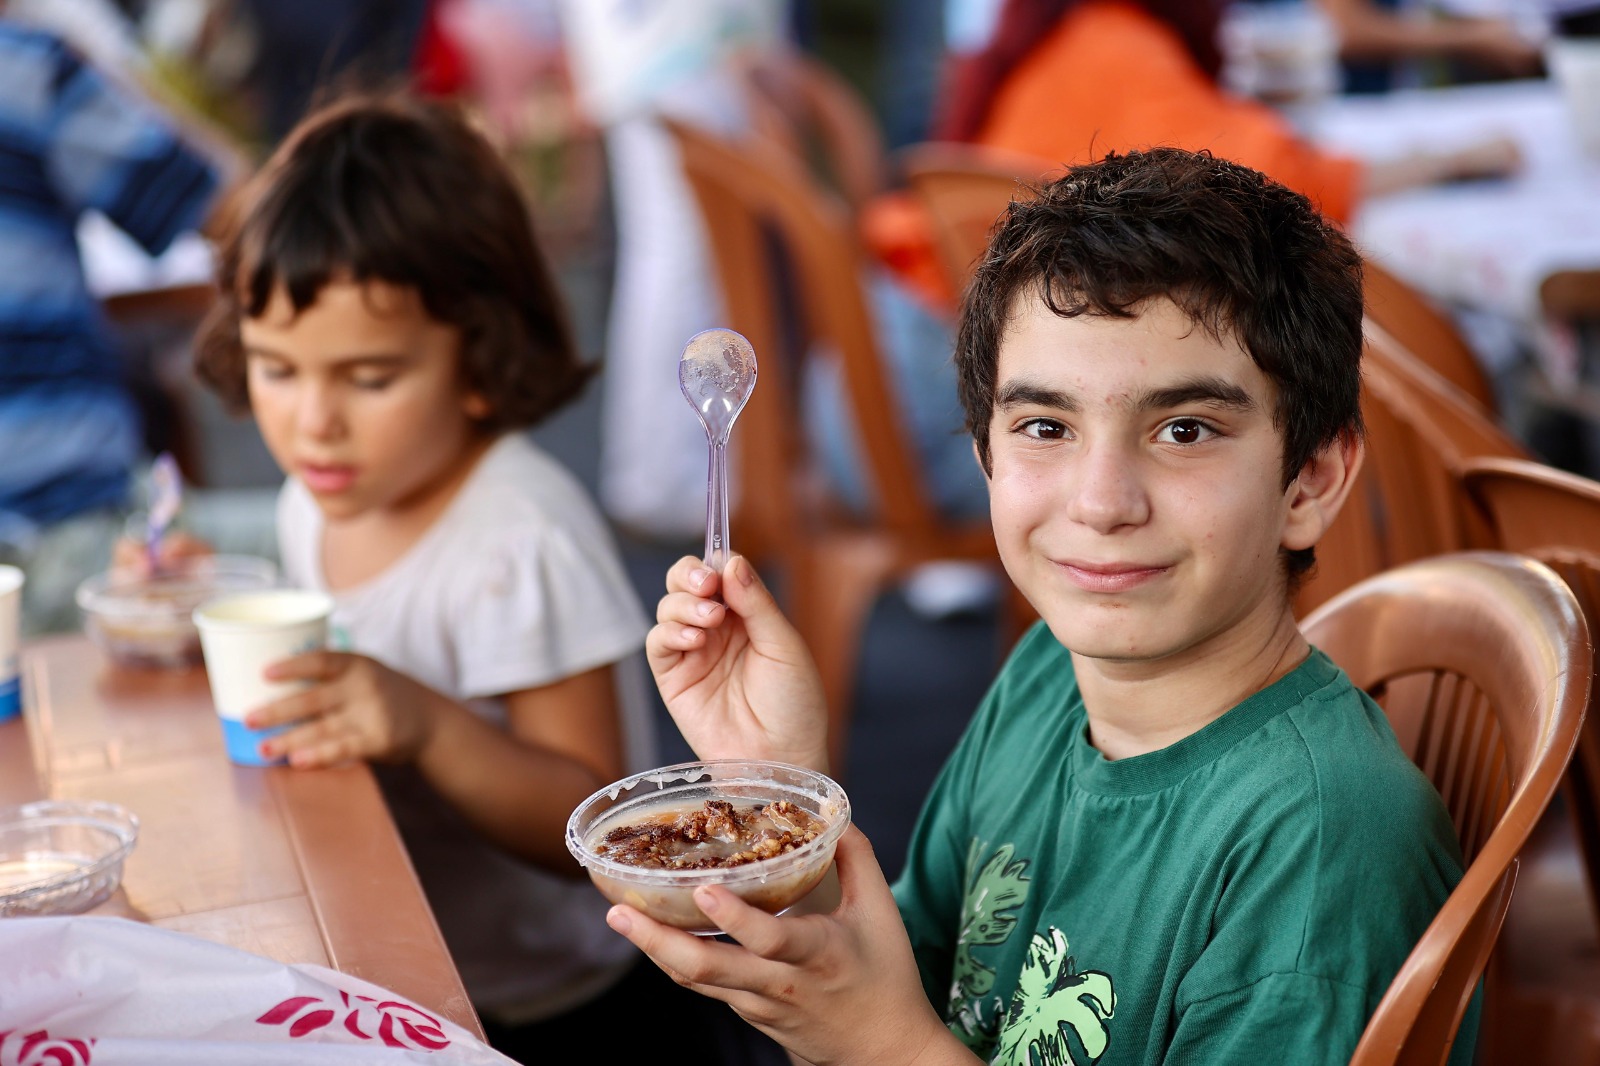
(1112, 77)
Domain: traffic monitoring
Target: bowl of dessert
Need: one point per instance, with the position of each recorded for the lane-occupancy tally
(146, 620)
(765, 831)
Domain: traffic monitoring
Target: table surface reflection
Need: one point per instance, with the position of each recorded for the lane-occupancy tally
(299, 866)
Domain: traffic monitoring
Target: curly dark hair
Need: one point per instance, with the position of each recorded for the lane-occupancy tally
(1238, 253)
(390, 187)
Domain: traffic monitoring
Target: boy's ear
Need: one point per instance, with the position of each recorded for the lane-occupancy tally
(476, 406)
(1318, 493)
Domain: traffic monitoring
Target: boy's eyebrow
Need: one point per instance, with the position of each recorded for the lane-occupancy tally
(1028, 394)
(1208, 390)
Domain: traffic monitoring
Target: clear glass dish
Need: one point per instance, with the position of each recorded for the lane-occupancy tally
(773, 884)
(62, 857)
(148, 621)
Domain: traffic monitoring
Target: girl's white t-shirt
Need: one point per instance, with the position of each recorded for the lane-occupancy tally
(517, 584)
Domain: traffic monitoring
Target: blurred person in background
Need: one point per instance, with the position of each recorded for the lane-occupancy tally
(305, 45)
(1382, 42)
(75, 140)
(632, 62)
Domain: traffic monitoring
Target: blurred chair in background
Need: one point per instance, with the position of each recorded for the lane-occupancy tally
(1554, 516)
(1426, 332)
(1408, 502)
(1481, 662)
(760, 205)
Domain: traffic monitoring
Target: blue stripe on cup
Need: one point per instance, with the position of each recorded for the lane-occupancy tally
(244, 744)
(10, 698)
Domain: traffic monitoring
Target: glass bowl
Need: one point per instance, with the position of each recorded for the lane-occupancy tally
(62, 857)
(660, 796)
(146, 621)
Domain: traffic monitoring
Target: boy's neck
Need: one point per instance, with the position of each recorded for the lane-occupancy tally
(1137, 708)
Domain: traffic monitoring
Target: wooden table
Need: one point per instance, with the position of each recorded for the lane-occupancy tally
(299, 866)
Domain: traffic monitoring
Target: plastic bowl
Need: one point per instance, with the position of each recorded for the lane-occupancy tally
(147, 621)
(62, 857)
(773, 884)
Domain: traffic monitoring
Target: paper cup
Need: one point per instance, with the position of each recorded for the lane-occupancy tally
(11, 580)
(240, 636)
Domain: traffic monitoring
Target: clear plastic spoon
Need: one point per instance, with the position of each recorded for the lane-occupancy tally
(717, 374)
(166, 499)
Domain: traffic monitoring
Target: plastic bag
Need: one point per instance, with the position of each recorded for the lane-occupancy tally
(89, 991)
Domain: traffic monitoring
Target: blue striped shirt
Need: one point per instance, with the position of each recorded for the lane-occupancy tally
(72, 141)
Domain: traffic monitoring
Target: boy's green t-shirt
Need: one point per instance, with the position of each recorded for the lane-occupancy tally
(1244, 895)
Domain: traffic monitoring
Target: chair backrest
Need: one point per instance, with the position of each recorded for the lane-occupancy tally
(964, 189)
(1554, 516)
(751, 194)
(801, 105)
(1407, 502)
(1481, 662)
(1426, 332)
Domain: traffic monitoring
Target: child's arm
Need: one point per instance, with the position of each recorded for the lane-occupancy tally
(515, 785)
(734, 673)
(832, 988)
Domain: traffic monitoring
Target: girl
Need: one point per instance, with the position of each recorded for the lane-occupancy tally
(386, 316)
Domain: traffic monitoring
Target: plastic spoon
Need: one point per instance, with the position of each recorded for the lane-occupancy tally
(717, 373)
(166, 498)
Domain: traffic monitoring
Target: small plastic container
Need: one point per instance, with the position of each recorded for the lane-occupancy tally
(773, 884)
(148, 621)
(62, 857)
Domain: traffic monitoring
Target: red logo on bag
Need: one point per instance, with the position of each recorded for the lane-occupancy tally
(38, 1049)
(397, 1023)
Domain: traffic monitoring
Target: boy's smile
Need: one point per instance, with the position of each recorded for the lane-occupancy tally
(1137, 489)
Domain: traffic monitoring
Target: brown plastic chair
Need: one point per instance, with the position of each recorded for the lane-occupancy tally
(1426, 332)
(1481, 662)
(805, 108)
(834, 564)
(1407, 502)
(964, 189)
(1554, 516)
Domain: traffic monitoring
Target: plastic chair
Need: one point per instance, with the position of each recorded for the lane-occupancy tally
(1554, 516)
(1407, 502)
(756, 199)
(1426, 332)
(964, 189)
(1481, 662)
(802, 106)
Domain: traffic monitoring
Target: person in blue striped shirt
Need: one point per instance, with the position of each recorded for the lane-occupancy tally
(74, 139)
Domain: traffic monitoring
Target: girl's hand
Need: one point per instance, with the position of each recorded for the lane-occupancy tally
(735, 674)
(129, 556)
(829, 987)
(359, 709)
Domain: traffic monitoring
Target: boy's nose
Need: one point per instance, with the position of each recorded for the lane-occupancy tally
(1106, 493)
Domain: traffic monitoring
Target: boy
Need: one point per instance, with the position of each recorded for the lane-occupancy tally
(1173, 832)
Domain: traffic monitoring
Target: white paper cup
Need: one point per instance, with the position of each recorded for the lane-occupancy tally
(11, 580)
(240, 636)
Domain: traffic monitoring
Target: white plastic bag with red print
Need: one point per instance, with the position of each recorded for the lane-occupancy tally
(85, 991)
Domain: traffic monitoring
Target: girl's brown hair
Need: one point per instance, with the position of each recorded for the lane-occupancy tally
(394, 188)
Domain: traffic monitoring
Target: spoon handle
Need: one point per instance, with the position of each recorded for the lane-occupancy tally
(717, 507)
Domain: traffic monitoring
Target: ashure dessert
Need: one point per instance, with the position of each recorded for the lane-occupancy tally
(765, 831)
(715, 834)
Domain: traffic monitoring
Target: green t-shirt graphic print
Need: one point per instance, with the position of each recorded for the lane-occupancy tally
(1243, 895)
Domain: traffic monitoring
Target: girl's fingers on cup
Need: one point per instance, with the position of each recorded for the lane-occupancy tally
(342, 747)
(305, 737)
(296, 708)
(320, 665)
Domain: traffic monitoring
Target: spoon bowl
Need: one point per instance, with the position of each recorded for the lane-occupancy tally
(716, 374)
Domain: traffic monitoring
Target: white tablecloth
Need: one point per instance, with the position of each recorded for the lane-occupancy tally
(1484, 244)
